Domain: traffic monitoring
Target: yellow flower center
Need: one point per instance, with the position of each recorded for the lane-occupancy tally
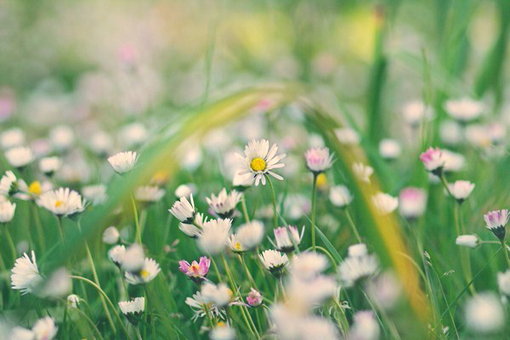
(59, 203)
(194, 268)
(322, 180)
(221, 324)
(258, 164)
(144, 273)
(237, 246)
(35, 188)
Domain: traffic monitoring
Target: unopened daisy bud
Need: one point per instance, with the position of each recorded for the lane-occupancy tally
(146, 274)
(504, 282)
(214, 236)
(274, 261)
(283, 239)
(484, 313)
(412, 202)
(340, 196)
(318, 160)
(384, 203)
(7, 211)
(111, 235)
(184, 210)
(224, 204)
(250, 234)
(133, 310)
(254, 298)
(461, 190)
(8, 184)
(259, 160)
(195, 271)
(496, 221)
(362, 172)
(133, 258)
(471, 241)
(389, 149)
(73, 301)
(219, 294)
(123, 162)
(19, 157)
(433, 160)
(49, 165)
(116, 254)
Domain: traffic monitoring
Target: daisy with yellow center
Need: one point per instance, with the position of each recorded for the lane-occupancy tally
(259, 160)
(62, 202)
(148, 272)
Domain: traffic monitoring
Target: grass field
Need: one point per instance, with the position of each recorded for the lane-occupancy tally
(254, 169)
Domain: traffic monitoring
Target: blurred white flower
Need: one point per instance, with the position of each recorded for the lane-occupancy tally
(307, 266)
(384, 203)
(484, 313)
(347, 136)
(49, 165)
(123, 162)
(222, 331)
(242, 181)
(362, 171)
(365, 327)
(450, 132)
(250, 234)
(111, 235)
(412, 202)
(185, 190)
(146, 274)
(471, 241)
(19, 156)
(357, 250)
(95, 193)
(101, 143)
(6, 211)
(415, 112)
(133, 135)
(433, 159)
(73, 301)
(62, 137)
(12, 138)
(62, 202)
(116, 254)
(224, 204)
(133, 258)
(214, 236)
(45, 329)
(184, 210)
(318, 160)
(453, 162)
(274, 261)
(464, 109)
(149, 193)
(461, 190)
(286, 237)
(57, 285)
(219, 294)
(25, 274)
(385, 289)
(340, 196)
(389, 148)
(260, 160)
(356, 268)
(504, 282)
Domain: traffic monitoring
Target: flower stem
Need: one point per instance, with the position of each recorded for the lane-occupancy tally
(11, 243)
(464, 255)
(38, 228)
(250, 278)
(245, 209)
(353, 226)
(505, 252)
(314, 196)
(445, 184)
(61, 229)
(137, 224)
(274, 201)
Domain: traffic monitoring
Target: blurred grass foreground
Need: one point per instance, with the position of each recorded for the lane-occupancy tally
(122, 122)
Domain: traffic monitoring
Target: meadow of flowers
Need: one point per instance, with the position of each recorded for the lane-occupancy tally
(254, 170)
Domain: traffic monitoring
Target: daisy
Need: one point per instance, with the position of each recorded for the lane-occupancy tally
(195, 271)
(95, 193)
(201, 307)
(62, 137)
(307, 266)
(222, 331)
(133, 258)
(62, 202)
(49, 165)
(384, 203)
(45, 329)
(250, 234)
(389, 149)
(123, 162)
(214, 236)
(224, 204)
(504, 282)
(184, 210)
(219, 294)
(12, 138)
(365, 326)
(356, 268)
(340, 196)
(234, 244)
(133, 309)
(412, 202)
(6, 211)
(111, 235)
(471, 241)
(149, 193)
(260, 160)
(283, 235)
(8, 184)
(254, 298)
(116, 254)
(484, 313)
(496, 221)
(461, 190)
(25, 274)
(274, 261)
(148, 272)
(318, 160)
(433, 160)
(357, 250)
(19, 157)
(464, 109)
(362, 172)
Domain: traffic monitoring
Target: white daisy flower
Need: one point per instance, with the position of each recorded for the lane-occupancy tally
(357, 250)
(214, 236)
(49, 165)
(389, 149)
(384, 203)
(148, 272)
(9, 184)
(62, 202)
(19, 156)
(149, 193)
(222, 332)
(123, 162)
(133, 258)
(484, 313)
(234, 244)
(111, 235)
(219, 294)
(318, 160)
(25, 274)
(250, 234)
(471, 241)
(464, 109)
(362, 171)
(184, 210)
(284, 237)
(6, 211)
(340, 196)
(260, 160)
(504, 282)
(133, 309)
(116, 254)
(45, 329)
(461, 190)
(365, 326)
(307, 266)
(274, 261)
(356, 268)
(95, 193)
(224, 204)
